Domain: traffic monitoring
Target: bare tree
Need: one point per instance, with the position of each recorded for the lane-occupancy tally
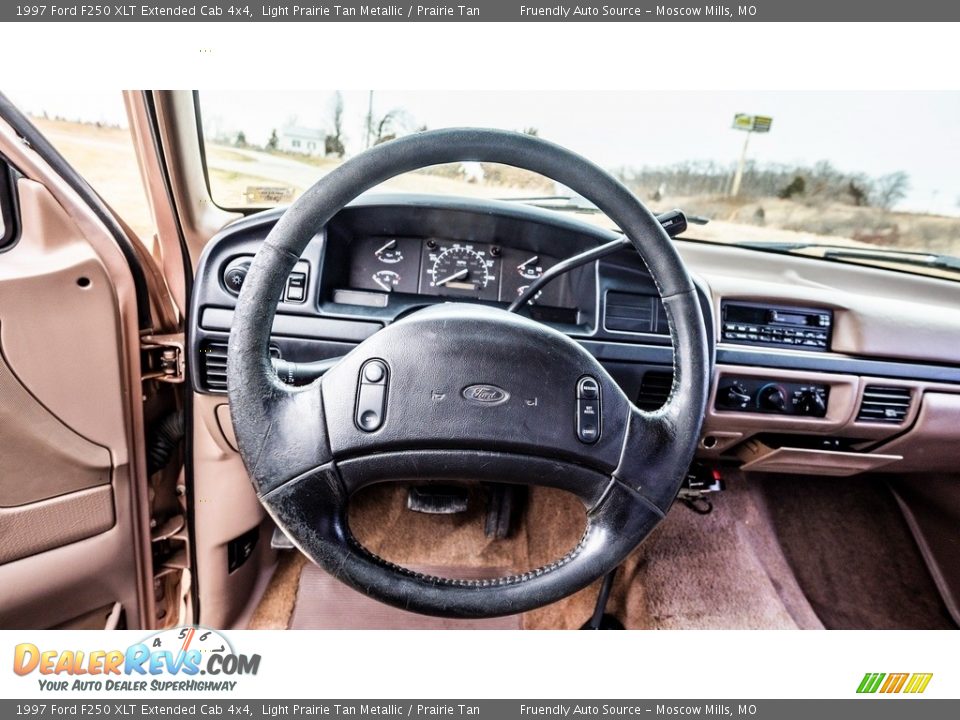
(388, 126)
(334, 142)
(891, 189)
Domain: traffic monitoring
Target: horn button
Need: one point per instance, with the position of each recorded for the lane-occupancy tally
(472, 377)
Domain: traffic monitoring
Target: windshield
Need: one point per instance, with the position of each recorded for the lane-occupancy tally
(797, 172)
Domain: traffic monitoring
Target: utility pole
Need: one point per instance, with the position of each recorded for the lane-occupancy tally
(369, 119)
(738, 175)
(749, 124)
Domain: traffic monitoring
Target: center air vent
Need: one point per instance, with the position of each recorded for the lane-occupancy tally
(884, 404)
(654, 389)
(214, 366)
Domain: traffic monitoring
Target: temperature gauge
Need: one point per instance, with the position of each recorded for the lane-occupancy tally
(523, 288)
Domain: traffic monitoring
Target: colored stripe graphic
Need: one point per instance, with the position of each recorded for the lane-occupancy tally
(918, 682)
(893, 683)
(870, 682)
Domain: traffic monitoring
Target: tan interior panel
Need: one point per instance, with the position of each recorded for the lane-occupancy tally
(873, 317)
(42, 458)
(758, 457)
(225, 506)
(841, 407)
(58, 321)
(34, 528)
(226, 426)
(72, 410)
(933, 443)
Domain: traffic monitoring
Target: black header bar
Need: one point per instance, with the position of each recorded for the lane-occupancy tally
(484, 11)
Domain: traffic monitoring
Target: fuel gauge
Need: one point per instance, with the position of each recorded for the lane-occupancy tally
(386, 279)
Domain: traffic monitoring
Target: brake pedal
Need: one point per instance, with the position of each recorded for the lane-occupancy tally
(505, 505)
(438, 499)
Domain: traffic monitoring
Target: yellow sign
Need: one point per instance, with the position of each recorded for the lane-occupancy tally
(752, 123)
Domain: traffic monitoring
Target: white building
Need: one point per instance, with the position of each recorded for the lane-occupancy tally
(302, 140)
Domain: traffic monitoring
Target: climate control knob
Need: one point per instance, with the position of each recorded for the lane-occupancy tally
(811, 402)
(735, 395)
(772, 397)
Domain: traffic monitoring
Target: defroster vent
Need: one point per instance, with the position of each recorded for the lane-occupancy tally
(884, 404)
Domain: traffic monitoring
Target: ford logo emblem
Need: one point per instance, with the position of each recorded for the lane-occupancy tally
(486, 394)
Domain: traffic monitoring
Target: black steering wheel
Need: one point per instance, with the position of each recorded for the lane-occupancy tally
(464, 392)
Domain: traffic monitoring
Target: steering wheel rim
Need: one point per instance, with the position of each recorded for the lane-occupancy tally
(305, 457)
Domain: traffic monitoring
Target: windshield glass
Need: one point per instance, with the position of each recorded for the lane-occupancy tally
(798, 171)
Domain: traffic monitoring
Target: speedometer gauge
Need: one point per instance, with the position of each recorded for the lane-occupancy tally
(459, 268)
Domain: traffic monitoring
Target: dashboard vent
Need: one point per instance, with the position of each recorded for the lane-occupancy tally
(629, 312)
(215, 366)
(654, 389)
(884, 404)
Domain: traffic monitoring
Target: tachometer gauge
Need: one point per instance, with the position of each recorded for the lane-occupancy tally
(531, 268)
(387, 279)
(389, 252)
(459, 268)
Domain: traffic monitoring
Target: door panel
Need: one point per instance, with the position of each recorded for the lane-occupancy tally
(73, 516)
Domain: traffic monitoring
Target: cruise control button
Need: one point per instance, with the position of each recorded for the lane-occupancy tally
(588, 410)
(371, 396)
(589, 432)
(374, 372)
(370, 406)
(588, 388)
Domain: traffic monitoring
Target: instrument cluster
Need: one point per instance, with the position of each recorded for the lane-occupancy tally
(451, 268)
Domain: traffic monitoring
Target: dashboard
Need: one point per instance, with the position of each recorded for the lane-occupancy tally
(818, 367)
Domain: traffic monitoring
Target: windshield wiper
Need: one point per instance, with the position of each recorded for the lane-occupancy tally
(836, 252)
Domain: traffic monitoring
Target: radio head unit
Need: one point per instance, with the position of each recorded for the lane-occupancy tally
(778, 326)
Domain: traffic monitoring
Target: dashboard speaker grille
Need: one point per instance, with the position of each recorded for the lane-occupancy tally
(214, 366)
(884, 404)
(654, 389)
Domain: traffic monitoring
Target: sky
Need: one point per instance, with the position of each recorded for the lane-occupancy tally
(871, 132)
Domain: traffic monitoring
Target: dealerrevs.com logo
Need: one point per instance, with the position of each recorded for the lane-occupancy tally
(181, 659)
(893, 683)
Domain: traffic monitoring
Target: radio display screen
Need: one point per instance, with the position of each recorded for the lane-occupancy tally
(756, 324)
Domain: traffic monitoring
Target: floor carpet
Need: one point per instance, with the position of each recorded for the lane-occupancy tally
(853, 554)
(775, 553)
